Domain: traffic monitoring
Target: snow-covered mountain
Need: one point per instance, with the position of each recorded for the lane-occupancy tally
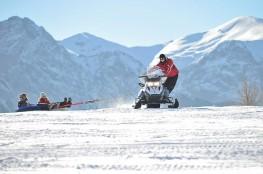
(214, 64)
(85, 44)
(32, 61)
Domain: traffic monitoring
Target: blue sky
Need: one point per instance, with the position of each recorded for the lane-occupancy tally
(130, 22)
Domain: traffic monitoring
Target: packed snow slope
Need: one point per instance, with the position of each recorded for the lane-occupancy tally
(210, 140)
(215, 63)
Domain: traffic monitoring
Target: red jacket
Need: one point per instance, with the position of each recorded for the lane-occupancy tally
(168, 68)
(43, 100)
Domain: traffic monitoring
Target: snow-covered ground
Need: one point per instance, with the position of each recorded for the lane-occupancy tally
(212, 140)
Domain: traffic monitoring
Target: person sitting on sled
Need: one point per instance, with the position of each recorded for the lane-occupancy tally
(23, 101)
(43, 102)
(43, 99)
(64, 103)
(170, 70)
(69, 103)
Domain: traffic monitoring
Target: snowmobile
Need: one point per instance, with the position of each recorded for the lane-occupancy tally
(153, 93)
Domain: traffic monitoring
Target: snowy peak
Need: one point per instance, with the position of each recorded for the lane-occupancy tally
(240, 28)
(195, 46)
(22, 39)
(22, 32)
(86, 37)
(20, 27)
(240, 24)
(87, 44)
(18, 21)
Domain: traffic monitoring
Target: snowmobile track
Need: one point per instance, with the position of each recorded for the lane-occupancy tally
(123, 140)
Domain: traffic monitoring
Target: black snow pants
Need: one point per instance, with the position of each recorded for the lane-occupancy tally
(170, 83)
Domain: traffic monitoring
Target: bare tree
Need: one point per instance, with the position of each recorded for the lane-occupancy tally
(250, 94)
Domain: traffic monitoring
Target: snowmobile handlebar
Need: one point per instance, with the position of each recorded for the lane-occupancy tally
(148, 76)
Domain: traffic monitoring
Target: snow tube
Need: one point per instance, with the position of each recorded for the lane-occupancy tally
(38, 107)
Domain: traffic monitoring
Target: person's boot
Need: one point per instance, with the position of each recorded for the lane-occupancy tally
(175, 104)
(138, 105)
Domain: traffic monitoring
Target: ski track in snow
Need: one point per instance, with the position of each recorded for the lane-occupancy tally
(122, 140)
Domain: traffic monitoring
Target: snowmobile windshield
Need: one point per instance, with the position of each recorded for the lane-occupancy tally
(153, 74)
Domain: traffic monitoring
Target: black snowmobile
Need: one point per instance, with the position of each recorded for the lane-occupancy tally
(153, 93)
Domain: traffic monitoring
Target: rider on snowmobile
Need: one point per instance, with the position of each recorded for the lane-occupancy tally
(169, 69)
